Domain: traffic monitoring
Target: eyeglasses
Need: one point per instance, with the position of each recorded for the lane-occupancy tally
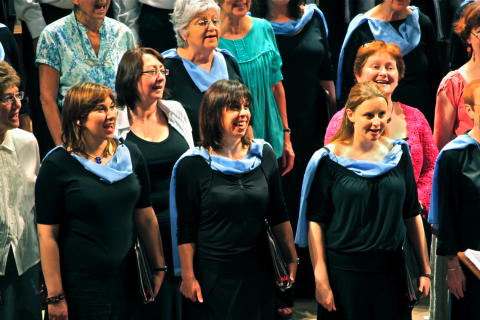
(476, 35)
(206, 22)
(9, 98)
(103, 108)
(155, 72)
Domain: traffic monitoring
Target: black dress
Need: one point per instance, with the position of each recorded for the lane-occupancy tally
(306, 61)
(422, 72)
(223, 215)
(96, 233)
(364, 220)
(180, 87)
(459, 218)
(160, 158)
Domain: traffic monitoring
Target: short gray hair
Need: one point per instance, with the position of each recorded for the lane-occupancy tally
(185, 11)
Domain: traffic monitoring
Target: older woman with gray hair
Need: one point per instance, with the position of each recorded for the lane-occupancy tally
(196, 63)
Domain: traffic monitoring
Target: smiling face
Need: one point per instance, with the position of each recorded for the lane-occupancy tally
(235, 120)
(380, 68)
(9, 112)
(150, 87)
(94, 9)
(237, 8)
(369, 119)
(100, 122)
(203, 31)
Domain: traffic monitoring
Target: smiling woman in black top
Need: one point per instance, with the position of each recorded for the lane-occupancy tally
(91, 194)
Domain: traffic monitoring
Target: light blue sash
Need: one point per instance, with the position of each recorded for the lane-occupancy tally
(367, 169)
(2, 51)
(293, 27)
(217, 163)
(202, 78)
(460, 142)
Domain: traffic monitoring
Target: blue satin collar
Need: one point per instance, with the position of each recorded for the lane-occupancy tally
(366, 169)
(295, 26)
(407, 37)
(202, 78)
(118, 168)
(217, 163)
(460, 142)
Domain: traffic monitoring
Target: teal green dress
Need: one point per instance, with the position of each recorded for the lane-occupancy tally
(260, 62)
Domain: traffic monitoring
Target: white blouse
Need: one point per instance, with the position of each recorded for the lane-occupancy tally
(19, 164)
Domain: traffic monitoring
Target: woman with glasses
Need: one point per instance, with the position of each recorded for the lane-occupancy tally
(92, 201)
(19, 163)
(196, 63)
(161, 130)
(83, 46)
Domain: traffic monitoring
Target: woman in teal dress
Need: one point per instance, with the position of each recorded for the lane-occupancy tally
(252, 42)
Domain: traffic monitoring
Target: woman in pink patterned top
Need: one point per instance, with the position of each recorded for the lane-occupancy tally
(451, 119)
(383, 63)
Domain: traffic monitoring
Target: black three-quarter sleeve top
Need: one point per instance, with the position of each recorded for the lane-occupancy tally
(95, 218)
(363, 214)
(459, 200)
(223, 213)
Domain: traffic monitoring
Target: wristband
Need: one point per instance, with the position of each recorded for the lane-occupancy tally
(427, 275)
(55, 299)
(287, 130)
(296, 260)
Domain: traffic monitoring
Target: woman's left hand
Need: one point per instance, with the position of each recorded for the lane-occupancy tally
(292, 270)
(288, 156)
(158, 278)
(424, 286)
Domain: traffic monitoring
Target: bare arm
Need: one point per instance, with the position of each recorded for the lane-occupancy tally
(50, 259)
(329, 87)
(189, 287)
(288, 156)
(284, 234)
(316, 245)
(416, 235)
(149, 233)
(49, 85)
(445, 115)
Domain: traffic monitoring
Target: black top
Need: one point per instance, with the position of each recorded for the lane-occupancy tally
(363, 214)
(12, 56)
(96, 218)
(459, 200)
(422, 74)
(180, 87)
(223, 214)
(160, 158)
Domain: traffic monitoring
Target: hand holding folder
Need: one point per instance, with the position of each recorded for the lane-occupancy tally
(471, 259)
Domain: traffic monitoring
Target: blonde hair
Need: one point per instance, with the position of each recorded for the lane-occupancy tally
(359, 93)
(8, 77)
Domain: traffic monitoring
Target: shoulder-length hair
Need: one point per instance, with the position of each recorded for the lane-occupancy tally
(129, 72)
(81, 99)
(221, 95)
(469, 20)
(378, 46)
(359, 93)
(260, 8)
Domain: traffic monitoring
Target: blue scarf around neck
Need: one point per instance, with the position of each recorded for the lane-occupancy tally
(295, 26)
(202, 78)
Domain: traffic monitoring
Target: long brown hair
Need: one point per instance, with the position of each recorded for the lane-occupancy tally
(81, 99)
(359, 93)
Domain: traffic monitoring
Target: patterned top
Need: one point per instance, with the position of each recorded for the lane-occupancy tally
(453, 84)
(422, 148)
(19, 163)
(260, 65)
(65, 46)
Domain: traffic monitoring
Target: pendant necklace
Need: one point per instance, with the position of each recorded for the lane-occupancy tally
(97, 159)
